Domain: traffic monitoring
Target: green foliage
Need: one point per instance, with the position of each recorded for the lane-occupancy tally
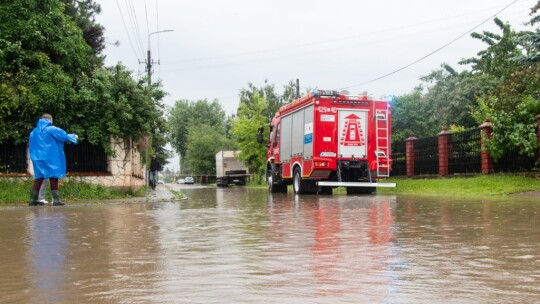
(496, 59)
(204, 141)
(512, 110)
(187, 114)
(111, 102)
(244, 129)
(41, 54)
(49, 64)
(273, 99)
(409, 117)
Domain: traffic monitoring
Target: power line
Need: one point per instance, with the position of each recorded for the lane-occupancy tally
(127, 31)
(433, 52)
(135, 25)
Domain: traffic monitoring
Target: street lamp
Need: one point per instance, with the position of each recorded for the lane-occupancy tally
(149, 74)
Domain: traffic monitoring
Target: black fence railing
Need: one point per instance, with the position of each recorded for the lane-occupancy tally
(82, 157)
(399, 159)
(85, 157)
(465, 152)
(514, 162)
(12, 157)
(426, 156)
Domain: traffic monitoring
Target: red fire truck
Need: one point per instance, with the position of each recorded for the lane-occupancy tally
(326, 140)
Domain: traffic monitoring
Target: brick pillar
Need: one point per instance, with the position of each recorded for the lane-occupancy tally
(486, 160)
(444, 151)
(409, 155)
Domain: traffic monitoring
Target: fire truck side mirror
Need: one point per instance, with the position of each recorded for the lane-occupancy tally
(260, 135)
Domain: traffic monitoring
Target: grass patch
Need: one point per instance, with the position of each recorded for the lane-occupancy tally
(485, 185)
(17, 191)
(178, 194)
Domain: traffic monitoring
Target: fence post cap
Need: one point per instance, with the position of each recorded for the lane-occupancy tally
(487, 124)
(444, 131)
(412, 137)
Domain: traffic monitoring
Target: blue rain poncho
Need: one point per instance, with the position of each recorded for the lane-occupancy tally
(47, 149)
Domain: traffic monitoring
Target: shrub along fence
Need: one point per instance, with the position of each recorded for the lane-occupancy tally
(457, 153)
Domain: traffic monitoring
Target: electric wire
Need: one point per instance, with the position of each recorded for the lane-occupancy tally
(158, 48)
(127, 31)
(433, 52)
(135, 26)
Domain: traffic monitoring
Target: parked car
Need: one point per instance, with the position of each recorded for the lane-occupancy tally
(189, 180)
(181, 181)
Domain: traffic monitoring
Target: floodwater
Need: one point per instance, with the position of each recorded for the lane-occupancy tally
(240, 245)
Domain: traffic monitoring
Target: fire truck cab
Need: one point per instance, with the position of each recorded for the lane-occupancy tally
(326, 140)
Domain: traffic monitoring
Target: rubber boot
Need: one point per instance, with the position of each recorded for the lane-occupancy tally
(56, 198)
(34, 198)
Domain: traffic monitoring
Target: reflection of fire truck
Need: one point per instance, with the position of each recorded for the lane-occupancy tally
(326, 140)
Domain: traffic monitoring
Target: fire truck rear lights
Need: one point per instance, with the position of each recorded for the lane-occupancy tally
(320, 164)
(328, 154)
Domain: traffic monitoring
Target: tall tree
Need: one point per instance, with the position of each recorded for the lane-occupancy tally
(273, 99)
(42, 54)
(186, 114)
(244, 130)
(203, 144)
(83, 13)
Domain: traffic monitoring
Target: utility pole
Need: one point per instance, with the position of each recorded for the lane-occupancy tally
(149, 63)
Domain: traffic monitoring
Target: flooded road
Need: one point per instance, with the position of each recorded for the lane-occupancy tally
(240, 245)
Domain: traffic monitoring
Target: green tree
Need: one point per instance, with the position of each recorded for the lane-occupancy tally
(186, 114)
(410, 116)
(83, 13)
(203, 144)
(42, 52)
(111, 102)
(512, 106)
(273, 99)
(244, 130)
(512, 110)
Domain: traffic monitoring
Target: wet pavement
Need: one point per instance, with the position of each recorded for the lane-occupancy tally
(240, 245)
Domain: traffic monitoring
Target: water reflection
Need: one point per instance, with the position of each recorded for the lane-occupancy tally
(47, 254)
(241, 245)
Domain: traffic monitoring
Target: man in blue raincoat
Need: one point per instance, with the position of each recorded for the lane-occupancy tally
(47, 153)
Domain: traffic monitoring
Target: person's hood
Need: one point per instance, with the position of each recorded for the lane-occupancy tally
(43, 123)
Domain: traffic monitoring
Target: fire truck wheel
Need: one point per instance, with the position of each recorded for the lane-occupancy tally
(297, 181)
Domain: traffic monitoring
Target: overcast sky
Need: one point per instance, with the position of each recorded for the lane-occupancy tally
(217, 47)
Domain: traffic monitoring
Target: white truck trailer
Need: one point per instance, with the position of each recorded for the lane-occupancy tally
(230, 169)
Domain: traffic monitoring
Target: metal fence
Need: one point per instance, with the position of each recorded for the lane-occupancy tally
(12, 157)
(85, 157)
(426, 156)
(82, 157)
(514, 162)
(399, 159)
(465, 152)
